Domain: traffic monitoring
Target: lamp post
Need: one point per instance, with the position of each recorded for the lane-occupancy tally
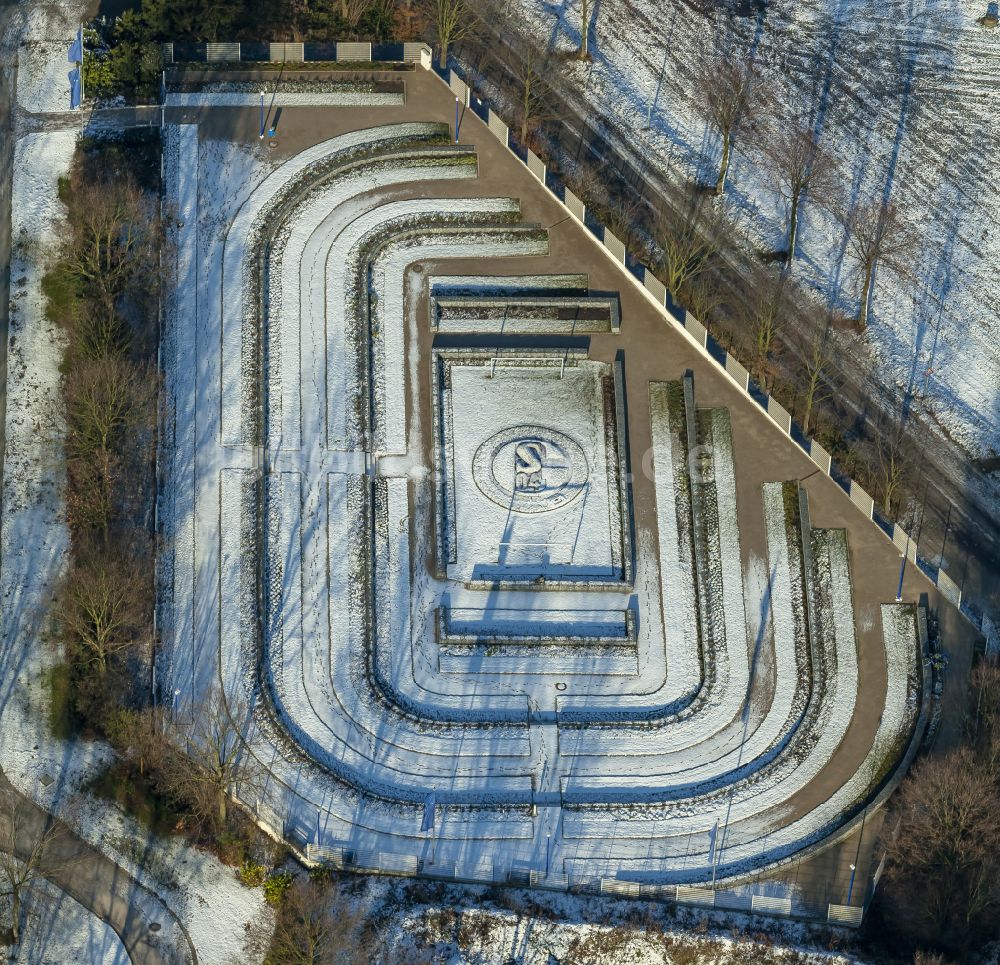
(458, 120)
(173, 714)
(902, 570)
(850, 887)
(548, 852)
(262, 117)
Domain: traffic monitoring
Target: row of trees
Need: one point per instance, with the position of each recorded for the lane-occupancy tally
(696, 243)
(104, 290)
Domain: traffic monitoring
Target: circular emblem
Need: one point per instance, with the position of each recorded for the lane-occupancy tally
(530, 469)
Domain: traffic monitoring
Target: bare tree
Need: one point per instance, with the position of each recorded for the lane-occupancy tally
(876, 233)
(104, 606)
(798, 166)
(764, 313)
(944, 869)
(984, 724)
(817, 370)
(450, 19)
(33, 847)
(727, 93)
(686, 243)
(351, 11)
(104, 398)
(115, 235)
(219, 759)
(892, 464)
(531, 71)
(317, 925)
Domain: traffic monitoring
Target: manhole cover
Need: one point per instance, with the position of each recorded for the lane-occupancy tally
(155, 926)
(560, 686)
(46, 780)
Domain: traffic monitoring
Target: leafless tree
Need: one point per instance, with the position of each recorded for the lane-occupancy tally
(797, 166)
(317, 925)
(140, 735)
(877, 234)
(944, 870)
(104, 398)
(764, 313)
(727, 91)
(686, 241)
(451, 19)
(984, 723)
(892, 464)
(110, 416)
(351, 11)
(220, 758)
(583, 51)
(114, 237)
(33, 847)
(817, 371)
(531, 69)
(104, 606)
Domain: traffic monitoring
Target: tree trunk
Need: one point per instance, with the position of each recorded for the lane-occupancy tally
(720, 184)
(584, 29)
(222, 807)
(810, 396)
(443, 56)
(15, 915)
(866, 295)
(793, 229)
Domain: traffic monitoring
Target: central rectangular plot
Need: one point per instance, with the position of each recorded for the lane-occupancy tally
(528, 468)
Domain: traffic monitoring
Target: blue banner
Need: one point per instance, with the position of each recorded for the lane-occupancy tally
(429, 804)
(74, 88)
(75, 54)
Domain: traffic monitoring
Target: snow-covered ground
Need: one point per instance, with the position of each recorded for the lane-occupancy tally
(903, 96)
(423, 922)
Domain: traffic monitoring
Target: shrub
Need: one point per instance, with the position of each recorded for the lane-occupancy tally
(64, 723)
(276, 887)
(252, 875)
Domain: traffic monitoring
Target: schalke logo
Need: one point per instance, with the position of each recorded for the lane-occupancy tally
(530, 469)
